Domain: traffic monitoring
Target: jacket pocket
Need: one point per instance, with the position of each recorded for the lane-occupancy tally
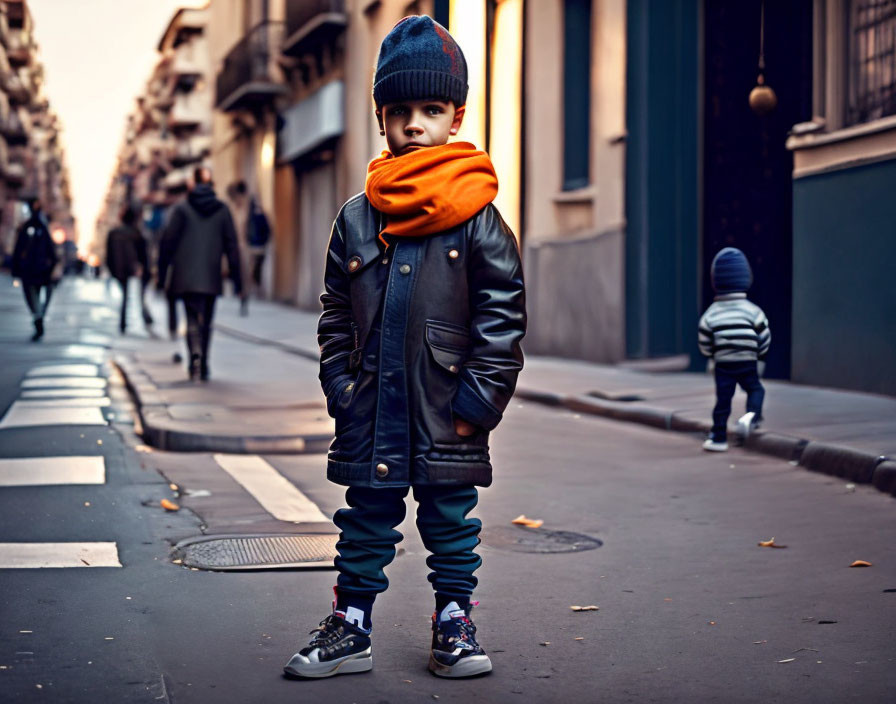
(448, 343)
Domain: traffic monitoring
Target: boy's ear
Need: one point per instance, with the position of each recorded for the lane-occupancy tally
(458, 119)
(379, 119)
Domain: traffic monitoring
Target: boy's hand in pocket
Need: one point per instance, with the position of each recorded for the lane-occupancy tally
(463, 428)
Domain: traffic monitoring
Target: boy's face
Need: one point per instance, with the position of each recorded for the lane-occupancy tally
(415, 124)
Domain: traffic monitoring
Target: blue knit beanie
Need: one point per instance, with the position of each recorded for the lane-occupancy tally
(418, 60)
(730, 272)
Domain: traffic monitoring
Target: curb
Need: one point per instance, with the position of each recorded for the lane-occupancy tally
(150, 411)
(836, 460)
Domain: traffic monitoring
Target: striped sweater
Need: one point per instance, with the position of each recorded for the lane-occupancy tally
(734, 330)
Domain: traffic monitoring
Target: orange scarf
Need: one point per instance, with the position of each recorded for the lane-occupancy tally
(431, 189)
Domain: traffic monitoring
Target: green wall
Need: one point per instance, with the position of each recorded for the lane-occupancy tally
(844, 278)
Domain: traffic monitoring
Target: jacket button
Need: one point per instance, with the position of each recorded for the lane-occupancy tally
(354, 263)
(405, 268)
(382, 470)
(453, 368)
(454, 254)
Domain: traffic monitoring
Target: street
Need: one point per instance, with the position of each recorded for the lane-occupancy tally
(690, 607)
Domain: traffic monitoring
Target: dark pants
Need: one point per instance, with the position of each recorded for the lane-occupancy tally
(37, 296)
(147, 318)
(368, 537)
(200, 309)
(728, 376)
(172, 314)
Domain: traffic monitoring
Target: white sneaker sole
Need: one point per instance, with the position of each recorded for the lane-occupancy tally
(468, 667)
(745, 424)
(300, 666)
(715, 446)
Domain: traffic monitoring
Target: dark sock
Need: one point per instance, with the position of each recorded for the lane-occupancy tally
(442, 600)
(361, 602)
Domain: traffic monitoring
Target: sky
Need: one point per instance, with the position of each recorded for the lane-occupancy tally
(97, 56)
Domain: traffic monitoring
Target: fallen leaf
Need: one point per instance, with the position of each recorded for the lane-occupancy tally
(579, 638)
(87, 503)
(787, 660)
(712, 623)
(178, 562)
(407, 681)
(861, 563)
(172, 486)
(169, 505)
(547, 642)
(770, 544)
(521, 520)
(759, 642)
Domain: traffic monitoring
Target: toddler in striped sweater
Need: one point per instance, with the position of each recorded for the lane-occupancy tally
(734, 332)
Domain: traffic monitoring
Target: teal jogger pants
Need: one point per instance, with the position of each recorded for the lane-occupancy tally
(368, 537)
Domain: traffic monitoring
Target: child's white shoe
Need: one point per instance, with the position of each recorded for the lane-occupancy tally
(746, 424)
(711, 445)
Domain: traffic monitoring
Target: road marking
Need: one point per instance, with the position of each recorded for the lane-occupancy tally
(62, 393)
(277, 495)
(20, 416)
(64, 402)
(34, 471)
(64, 382)
(64, 370)
(38, 555)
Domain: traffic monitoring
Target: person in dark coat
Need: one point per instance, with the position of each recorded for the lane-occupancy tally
(199, 233)
(33, 261)
(126, 257)
(423, 316)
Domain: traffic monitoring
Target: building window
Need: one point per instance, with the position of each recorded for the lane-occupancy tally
(576, 94)
(872, 60)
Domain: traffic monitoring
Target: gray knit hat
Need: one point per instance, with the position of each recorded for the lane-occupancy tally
(418, 60)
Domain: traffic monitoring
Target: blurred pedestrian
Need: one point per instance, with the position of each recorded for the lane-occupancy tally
(126, 257)
(199, 233)
(258, 234)
(423, 315)
(33, 261)
(734, 332)
(238, 198)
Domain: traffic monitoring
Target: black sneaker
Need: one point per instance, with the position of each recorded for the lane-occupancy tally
(338, 648)
(455, 652)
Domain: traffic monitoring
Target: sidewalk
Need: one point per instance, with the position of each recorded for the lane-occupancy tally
(261, 400)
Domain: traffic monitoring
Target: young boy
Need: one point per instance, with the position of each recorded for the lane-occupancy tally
(424, 311)
(734, 332)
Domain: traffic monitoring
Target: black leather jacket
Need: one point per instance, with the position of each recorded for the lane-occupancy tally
(412, 336)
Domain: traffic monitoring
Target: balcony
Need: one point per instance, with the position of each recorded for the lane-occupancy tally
(4, 29)
(249, 77)
(311, 23)
(191, 150)
(16, 90)
(15, 129)
(15, 172)
(18, 48)
(191, 58)
(190, 110)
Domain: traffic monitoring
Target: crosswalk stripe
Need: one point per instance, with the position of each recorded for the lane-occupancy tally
(64, 370)
(62, 393)
(64, 403)
(64, 382)
(19, 416)
(34, 471)
(39, 555)
(271, 489)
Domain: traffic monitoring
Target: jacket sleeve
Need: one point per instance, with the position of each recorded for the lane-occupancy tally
(497, 325)
(704, 337)
(232, 250)
(334, 329)
(168, 244)
(764, 333)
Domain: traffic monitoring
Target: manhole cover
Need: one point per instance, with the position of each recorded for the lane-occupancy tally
(254, 552)
(538, 540)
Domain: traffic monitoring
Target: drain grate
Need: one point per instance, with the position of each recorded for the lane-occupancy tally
(538, 540)
(255, 552)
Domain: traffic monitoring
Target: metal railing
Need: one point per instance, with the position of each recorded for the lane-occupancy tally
(247, 72)
(307, 19)
(871, 39)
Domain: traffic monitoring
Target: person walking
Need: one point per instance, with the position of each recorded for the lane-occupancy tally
(200, 232)
(126, 257)
(238, 200)
(423, 315)
(734, 332)
(33, 261)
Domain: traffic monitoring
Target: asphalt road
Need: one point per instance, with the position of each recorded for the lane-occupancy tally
(691, 609)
